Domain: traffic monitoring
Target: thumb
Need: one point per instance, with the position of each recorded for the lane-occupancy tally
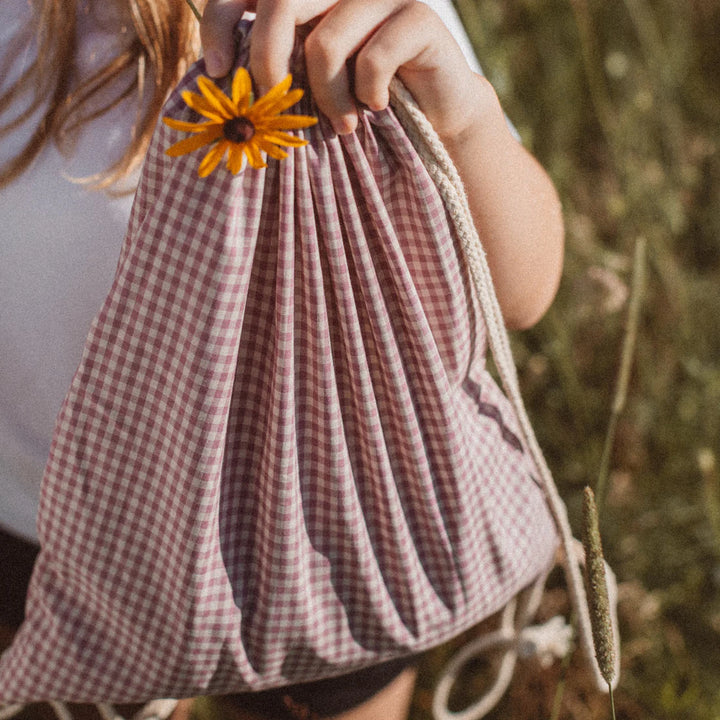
(216, 34)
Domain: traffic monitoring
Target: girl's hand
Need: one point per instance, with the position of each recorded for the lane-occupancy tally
(513, 202)
(382, 38)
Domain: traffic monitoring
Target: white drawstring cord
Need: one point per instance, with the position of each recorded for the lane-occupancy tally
(155, 710)
(8, 711)
(515, 639)
(507, 639)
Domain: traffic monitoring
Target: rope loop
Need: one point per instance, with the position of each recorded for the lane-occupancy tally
(154, 710)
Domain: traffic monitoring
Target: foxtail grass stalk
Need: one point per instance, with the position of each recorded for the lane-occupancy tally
(194, 9)
(623, 377)
(598, 600)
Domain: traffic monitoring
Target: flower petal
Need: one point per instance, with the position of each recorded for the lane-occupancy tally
(235, 158)
(213, 157)
(241, 89)
(287, 122)
(253, 155)
(187, 126)
(271, 97)
(279, 105)
(201, 105)
(194, 142)
(272, 150)
(281, 138)
(216, 97)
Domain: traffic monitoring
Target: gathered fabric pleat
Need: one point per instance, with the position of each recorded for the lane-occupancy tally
(282, 456)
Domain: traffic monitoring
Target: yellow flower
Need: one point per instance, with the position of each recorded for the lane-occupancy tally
(238, 125)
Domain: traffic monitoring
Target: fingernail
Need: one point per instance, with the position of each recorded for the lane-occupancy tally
(345, 124)
(214, 63)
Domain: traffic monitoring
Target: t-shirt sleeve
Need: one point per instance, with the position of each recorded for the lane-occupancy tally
(446, 10)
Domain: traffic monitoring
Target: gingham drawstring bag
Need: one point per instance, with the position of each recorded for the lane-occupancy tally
(282, 456)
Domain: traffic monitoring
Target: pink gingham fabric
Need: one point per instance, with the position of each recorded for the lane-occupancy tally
(281, 457)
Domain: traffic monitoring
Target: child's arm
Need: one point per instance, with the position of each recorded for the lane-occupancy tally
(514, 204)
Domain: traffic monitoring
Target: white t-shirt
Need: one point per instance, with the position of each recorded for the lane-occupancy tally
(60, 243)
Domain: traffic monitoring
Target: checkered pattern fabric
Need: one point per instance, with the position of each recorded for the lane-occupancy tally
(281, 457)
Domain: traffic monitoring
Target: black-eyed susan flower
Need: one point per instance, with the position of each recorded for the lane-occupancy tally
(239, 126)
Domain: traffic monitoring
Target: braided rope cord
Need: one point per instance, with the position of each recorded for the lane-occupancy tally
(449, 184)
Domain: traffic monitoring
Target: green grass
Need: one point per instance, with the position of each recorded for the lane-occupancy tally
(620, 101)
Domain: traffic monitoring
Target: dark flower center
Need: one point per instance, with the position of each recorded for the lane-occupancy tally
(238, 130)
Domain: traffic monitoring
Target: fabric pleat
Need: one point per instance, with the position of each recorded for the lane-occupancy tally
(282, 456)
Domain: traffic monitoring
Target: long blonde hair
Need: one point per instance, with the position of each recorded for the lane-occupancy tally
(161, 44)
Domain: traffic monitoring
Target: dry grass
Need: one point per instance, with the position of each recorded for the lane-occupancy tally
(620, 100)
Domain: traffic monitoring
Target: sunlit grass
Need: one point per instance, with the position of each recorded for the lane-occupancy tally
(620, 100)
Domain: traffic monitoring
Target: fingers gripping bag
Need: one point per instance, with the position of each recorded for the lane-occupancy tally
(282, 456)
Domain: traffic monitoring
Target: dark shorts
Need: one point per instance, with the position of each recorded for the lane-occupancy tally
(17, 558)
(322, 698)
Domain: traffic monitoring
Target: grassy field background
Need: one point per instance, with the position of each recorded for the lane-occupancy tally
(620, 101)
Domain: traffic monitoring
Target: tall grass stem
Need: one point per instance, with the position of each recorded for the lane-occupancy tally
(596, 84)
(623, 377)
(194, 9)
(562, 683)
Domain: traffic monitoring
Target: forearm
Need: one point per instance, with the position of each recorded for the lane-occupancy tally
(515, 208)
